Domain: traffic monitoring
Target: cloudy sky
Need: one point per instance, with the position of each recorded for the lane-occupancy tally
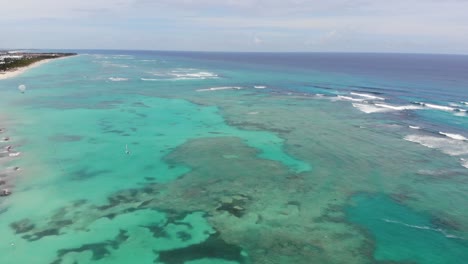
(428, 26)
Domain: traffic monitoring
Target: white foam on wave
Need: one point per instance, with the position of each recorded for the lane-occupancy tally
(348, 98)
(368, 96)
(465, 103)
(118, 79)
(122, 57)
(106, 63)
(414, 127)
(439, 230)
(219, 88)
(450, 146)
(453, 136)
(464, 162)
(183, 74)
(369, 109)
(399, 107)
(455, 105)
(260, 86)
(437, 107)
(149, 79)
(196, 75)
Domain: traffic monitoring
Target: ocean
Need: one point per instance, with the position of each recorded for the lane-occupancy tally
(197, 157)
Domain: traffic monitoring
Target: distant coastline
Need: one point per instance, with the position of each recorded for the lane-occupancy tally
(14, 65)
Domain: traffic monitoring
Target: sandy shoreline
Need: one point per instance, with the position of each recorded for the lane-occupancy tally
(17, 71)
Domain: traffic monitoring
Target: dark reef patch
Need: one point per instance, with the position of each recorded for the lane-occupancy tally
(99, 250)
(61, 223)
(140, 104)
(157, 230)
(42, 234)
(22, 226)
(79, 203)
(115, 131)
(257, 126)
(234, 205)
(214, 247)
(141, 115)
(216, 133)
(108, 104)
(65, 138)
(184, 236)
(444, 222)
(332, 213)
(84, 174)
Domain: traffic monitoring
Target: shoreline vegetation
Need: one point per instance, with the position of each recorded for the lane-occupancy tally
(13, 64)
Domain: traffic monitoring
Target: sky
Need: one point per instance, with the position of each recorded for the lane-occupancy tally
(413, 26)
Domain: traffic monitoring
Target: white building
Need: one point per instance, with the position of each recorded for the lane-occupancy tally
(3, 57)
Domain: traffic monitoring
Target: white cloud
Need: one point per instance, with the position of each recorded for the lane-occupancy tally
(32, 9)
(439, 26)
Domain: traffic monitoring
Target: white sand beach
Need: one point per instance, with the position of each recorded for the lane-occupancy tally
(17, 71)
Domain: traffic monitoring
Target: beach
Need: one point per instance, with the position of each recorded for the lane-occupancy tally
(166, 157)
(17, 71)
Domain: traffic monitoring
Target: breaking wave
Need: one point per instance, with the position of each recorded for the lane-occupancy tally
(381, 108)
(453, 136)
(107, 64)
(118, 79)
(447, 145)
(182, 74)
(369, 109)
(452, 108)
(348, 98)
(399, 107)
(219, 88)
(464, 162)
(368, 96)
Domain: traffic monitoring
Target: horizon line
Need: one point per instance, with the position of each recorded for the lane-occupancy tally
(226, 51)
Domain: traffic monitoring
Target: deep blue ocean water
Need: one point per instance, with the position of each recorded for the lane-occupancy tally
(196, 157)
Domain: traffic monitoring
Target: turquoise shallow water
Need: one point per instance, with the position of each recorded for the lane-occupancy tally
(406, 235)
(233, 159)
